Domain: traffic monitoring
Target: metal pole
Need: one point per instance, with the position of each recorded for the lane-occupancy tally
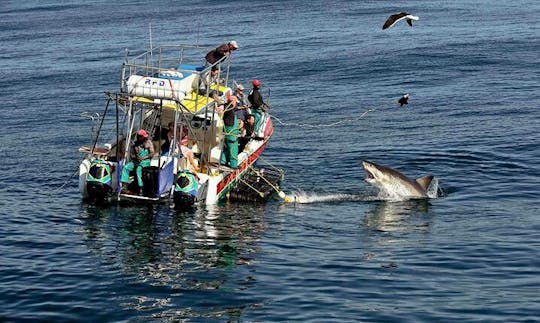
(100, 125)
(117, 129)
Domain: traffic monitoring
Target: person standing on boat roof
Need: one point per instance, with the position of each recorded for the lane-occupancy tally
(229, 155)
(141, 153)
(257, 104)
(221, 51)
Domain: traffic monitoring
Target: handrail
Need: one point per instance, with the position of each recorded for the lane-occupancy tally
(163, 58)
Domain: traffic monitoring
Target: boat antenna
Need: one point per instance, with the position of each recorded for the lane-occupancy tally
(150, 36)
(197, 35)
(268, 97)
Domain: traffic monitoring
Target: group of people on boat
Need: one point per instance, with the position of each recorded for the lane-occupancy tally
(184, 143)
(243, 116)
(142, 150)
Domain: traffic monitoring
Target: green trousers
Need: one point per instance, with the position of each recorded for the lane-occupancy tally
(138, 171)
(229, 155)
(258, 114)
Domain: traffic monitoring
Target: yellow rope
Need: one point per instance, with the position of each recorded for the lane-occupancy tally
(279, 170)
(280, 192)
(253, 188)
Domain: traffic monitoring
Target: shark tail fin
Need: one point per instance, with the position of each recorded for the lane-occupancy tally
(425, 181)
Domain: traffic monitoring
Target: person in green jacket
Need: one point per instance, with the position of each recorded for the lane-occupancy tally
(141, 153)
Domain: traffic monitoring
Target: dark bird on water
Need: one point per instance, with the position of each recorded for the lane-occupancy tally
(403, 100)
(397, 17)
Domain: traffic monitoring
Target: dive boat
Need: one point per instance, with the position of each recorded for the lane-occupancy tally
(160, 87)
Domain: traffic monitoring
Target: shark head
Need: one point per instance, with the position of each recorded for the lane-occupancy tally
(394, 184)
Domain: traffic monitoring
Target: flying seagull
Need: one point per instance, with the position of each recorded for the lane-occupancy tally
(403, 100)
(397, 17)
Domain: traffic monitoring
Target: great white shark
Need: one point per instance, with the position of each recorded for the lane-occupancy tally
(395, 184)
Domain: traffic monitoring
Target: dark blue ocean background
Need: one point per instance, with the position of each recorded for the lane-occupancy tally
(473, 120)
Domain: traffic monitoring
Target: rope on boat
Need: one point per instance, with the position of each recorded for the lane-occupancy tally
(322, 125)
(261, 194)
(279, 170)
(51, 192)
(280, 192)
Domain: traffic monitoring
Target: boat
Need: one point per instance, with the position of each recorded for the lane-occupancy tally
(160, 87)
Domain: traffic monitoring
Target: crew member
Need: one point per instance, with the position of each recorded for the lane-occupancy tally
(141, 153)
(229, 155)
(221, 51)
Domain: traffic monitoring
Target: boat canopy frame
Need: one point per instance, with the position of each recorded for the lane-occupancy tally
(159, 62)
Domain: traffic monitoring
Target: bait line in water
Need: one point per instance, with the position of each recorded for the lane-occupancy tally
(305, 125)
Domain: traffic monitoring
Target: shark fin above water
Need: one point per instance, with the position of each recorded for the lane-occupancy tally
(425, 181)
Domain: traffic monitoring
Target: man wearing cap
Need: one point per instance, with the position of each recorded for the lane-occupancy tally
(141, 153)
(221, 51)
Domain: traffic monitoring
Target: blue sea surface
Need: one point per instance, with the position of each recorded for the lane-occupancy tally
(333, 78)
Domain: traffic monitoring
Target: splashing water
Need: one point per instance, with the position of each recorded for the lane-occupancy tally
(302, 197)
(434, 191)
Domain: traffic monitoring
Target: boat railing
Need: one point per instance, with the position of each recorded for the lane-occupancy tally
(159, 65)
(170, 62)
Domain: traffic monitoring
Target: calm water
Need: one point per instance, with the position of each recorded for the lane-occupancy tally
(472, 70)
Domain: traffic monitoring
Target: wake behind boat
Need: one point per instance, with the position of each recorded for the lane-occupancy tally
(163, 136)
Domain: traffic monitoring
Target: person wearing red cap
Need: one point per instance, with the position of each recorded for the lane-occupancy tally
(141, 153)
(257, 104)
(229, 155)
(221, 51)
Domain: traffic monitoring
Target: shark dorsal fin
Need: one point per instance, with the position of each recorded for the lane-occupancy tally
(425, 181)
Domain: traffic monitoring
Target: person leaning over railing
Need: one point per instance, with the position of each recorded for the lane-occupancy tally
(221, 51)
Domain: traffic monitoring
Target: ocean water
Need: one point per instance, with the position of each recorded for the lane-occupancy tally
(333, 78)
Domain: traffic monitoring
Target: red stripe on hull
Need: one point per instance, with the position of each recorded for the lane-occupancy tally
(229, 179)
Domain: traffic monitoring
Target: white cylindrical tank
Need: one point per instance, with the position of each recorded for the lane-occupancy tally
(158, 88)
